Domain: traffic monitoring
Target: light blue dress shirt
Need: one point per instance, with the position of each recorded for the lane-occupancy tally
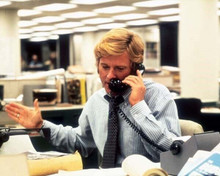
(156, 116)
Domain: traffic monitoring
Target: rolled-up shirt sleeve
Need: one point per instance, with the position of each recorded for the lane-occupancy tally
(158, 119)
(68, 139)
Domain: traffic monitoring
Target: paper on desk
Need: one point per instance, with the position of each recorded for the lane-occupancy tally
(183, 138)
(22, 144)
(192, 162)
(216, 148)
(93, 172)
(42, 155)
(17, 144)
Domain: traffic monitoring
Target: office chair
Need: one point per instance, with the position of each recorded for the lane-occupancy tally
(189, 127)
(189, 109)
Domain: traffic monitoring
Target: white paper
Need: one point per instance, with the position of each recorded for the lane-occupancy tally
(17, 144)
(216, 148)
(199, 156)
(137, 165)
(183, 138)
(93, 172)
(33, 155)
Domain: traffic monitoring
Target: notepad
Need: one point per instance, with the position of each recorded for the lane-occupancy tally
(12, 165)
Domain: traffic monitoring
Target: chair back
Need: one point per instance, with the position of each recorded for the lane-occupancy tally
(189, 108)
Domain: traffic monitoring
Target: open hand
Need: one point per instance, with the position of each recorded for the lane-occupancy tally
(27, 117)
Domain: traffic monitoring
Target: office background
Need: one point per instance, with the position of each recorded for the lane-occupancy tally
(190, 43)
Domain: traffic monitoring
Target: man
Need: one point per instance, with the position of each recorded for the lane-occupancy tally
(147, 106)
(35, 61)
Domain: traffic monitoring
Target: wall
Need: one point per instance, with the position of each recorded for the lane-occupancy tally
(10, 43)
(199, 49)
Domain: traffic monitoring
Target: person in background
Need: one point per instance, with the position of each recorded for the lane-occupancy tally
(147, 105)
(35, 61)
(52, 61)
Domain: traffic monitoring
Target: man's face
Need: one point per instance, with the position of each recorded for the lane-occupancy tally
(113, 67)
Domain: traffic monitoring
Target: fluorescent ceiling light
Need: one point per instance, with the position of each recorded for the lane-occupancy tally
(55, 7)
(114, 9)
(26, 23)
(27, 12)
(53, 37)
(79, 14)
(111, 25)
(169, 11)
(40, 34)
(90, 2)
(170, 18)
(97, 20)
(62, 31)
(69, 25)
(155, 3)
(4, 3)
(49, 19)
(141, 22)
(24, 36)
(130, 16)
(20, 0)
(25, 31)
(43, 28)
(38, 39)
(85, 29)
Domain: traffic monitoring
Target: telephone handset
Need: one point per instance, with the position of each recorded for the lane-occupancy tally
(116, 85)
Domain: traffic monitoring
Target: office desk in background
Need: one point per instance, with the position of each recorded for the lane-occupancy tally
(64, 113)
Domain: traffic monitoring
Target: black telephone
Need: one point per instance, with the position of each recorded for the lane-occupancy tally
(116, 85)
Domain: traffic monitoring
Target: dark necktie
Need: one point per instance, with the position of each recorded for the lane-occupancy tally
(110, 150)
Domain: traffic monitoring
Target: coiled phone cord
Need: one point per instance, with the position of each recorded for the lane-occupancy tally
(139, 132)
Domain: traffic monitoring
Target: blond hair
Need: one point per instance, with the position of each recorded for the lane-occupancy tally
(117, 41)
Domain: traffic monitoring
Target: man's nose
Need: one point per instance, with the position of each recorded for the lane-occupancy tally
(111, 74)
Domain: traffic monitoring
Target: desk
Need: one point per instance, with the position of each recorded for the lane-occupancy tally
(162, 78)
(65, 114)
(210, 110)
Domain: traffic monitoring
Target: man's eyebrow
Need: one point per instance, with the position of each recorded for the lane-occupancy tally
(103, 64)
(121, 66)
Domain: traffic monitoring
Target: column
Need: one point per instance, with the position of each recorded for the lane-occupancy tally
(198, 49)
(10, 56)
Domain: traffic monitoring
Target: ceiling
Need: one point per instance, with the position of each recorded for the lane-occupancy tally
(31, 30)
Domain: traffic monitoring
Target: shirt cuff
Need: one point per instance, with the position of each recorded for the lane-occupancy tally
(45, 130)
